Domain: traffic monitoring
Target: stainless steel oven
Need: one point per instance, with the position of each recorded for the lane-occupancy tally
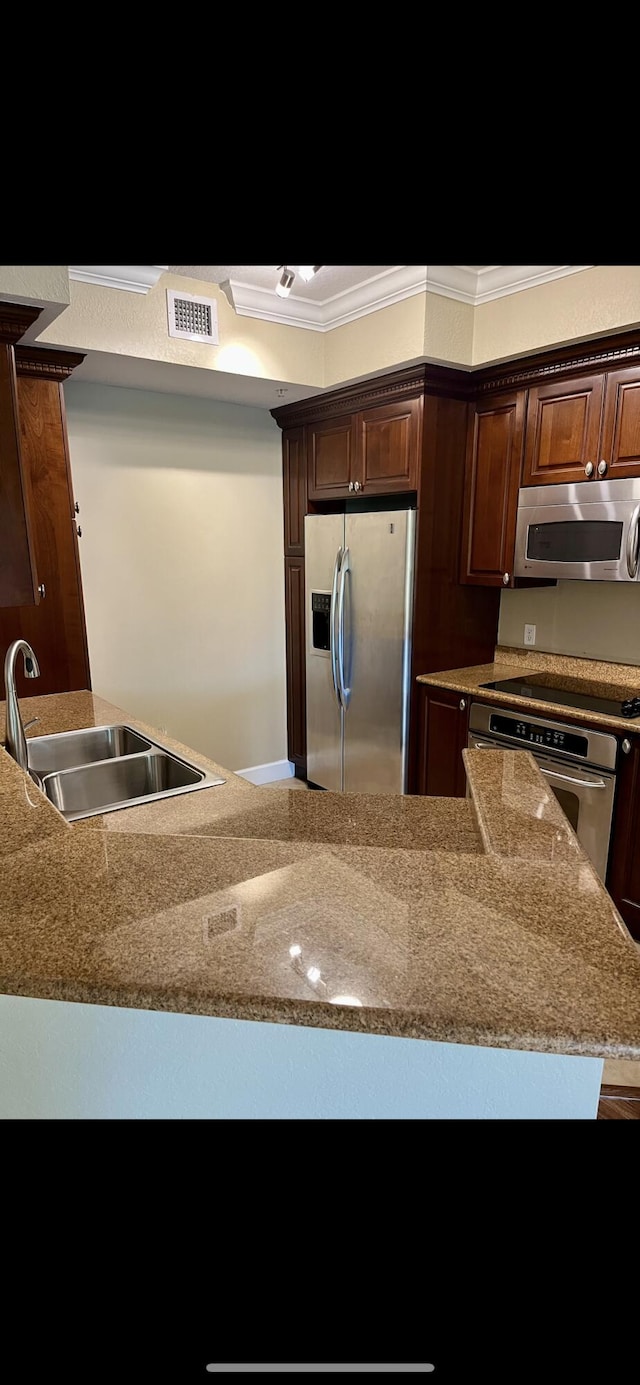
(588, 531)
(579, 765)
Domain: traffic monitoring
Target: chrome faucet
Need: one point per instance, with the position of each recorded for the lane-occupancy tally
(15, 743)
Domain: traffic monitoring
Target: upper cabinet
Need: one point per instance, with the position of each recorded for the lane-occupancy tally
(18, 576)
(584, 429)
(492, 479)
(373, 452)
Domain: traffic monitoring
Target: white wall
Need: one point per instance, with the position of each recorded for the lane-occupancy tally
(181, 551)
(594, 620)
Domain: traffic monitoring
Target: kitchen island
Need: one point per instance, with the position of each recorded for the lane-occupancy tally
(241, 952)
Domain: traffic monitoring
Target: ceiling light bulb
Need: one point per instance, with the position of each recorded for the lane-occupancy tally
(307, 271)
(283, 287)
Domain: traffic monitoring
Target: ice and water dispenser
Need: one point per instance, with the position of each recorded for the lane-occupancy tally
(320, 613)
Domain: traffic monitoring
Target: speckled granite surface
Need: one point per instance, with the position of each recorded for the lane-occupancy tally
(475, 921)
(520, 663)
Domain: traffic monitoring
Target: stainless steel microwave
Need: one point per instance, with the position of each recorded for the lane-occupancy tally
(587, 531)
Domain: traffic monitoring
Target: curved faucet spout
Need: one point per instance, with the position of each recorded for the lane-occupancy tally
(15, 742)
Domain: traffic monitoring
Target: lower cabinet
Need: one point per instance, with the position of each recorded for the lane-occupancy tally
(623, 875)
(444, 722)
(296, 676)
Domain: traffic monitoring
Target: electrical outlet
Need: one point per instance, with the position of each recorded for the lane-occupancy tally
(529, 634)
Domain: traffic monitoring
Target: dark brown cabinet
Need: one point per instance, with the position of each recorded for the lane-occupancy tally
(493, 470)
(18, 572)
(294, 476)
(56, 626)
(583, 429)
(372, 452)
(296, 677)
(623, 875)
(444, 723)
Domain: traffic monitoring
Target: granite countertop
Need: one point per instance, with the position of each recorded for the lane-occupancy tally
(517, 663)
(476, 921)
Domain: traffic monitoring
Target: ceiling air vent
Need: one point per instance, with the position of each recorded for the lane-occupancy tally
(191, 317)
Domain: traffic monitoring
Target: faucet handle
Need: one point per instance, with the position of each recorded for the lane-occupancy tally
(27, 724)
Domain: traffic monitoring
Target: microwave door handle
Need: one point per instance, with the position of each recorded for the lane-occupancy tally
(632, 543)
(570, 778)
(333, 634)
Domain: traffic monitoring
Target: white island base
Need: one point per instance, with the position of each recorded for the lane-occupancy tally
(63, 1061)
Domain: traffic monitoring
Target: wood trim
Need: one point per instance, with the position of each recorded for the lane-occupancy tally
(42, 364)
(15, 320)
(385, 389)
(602, 353)
(613, 1089)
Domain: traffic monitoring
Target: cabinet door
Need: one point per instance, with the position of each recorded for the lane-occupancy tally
(331, 449)
(443, 737)
(388, 447)
(621, 428)
(563, 430)
(18, 579)
(55, 627)
(294, 473)
(295, 639)
(623, 876)
(494, 461)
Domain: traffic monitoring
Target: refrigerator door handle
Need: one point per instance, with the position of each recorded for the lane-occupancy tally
(333, 635)
(345, 693)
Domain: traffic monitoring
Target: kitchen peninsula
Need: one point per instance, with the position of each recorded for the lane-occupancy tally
(240, 952)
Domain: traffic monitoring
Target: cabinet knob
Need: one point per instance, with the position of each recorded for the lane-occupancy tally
(588, 471)
(626, 746)
(79, 532)
(357, 486)
(505, 579)
(42, 591)
(77, 508)
(602, 468)
(351, 485)
(463, 703)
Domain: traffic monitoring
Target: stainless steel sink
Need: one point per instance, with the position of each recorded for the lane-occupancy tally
(85, 773)
(69, 749)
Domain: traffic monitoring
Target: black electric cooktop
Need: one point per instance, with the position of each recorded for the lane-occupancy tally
(572, 692)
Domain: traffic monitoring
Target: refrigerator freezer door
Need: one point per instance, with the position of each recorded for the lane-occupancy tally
(323, 543)
(378, 594)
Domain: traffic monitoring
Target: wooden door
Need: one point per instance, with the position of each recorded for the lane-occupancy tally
(294, 475)
(620, 447)
(493, 467)
(56, 627)
(389, 448)
(331, 449)
(623, 875)
(563, 430)
(296, 663)
(443, 737)
(18, 573)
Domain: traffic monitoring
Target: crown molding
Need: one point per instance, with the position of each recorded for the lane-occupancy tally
(42, 363)
(137, 278)
(15, 319)
(403, 281)
(495, 281)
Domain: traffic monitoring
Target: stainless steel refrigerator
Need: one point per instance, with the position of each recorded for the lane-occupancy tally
(359, 592)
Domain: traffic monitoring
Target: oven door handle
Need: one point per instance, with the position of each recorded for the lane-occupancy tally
(632, 543)
(570, 778)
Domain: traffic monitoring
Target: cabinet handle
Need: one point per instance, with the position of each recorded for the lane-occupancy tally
(505, 579)
(42, 591)
(77, 508)
(357, 486)
(626, 746)
(588, 471)
(463, 703)
(79, 532)
(351, 485)
(602, 468)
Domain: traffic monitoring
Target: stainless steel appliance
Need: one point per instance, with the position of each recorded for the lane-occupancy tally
(573, 692)
(579, 765)
(589, 531)
(359, 571)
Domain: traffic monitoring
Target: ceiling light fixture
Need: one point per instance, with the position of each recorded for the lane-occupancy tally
(285, 282)
(307, 271)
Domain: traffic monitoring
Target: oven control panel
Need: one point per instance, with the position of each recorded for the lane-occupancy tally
(547, 737)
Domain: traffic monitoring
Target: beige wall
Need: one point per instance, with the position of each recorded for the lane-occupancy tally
(596, 620)
(384, 340)
(181, 550)
(586, 304)
(448, 330)
(46, 283)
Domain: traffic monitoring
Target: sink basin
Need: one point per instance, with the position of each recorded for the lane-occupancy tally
(46, 754)
(122, 782)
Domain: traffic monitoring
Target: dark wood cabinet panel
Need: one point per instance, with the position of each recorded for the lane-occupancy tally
(18, 573)
(389, 447)
(620, 447)
(331, 449)
(623, 875)
(563, 430)
(294, 464)
(56, 626)
(444, 719)
(296, 663)
(493, 468)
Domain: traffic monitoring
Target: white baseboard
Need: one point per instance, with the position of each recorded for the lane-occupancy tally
(266, 774)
